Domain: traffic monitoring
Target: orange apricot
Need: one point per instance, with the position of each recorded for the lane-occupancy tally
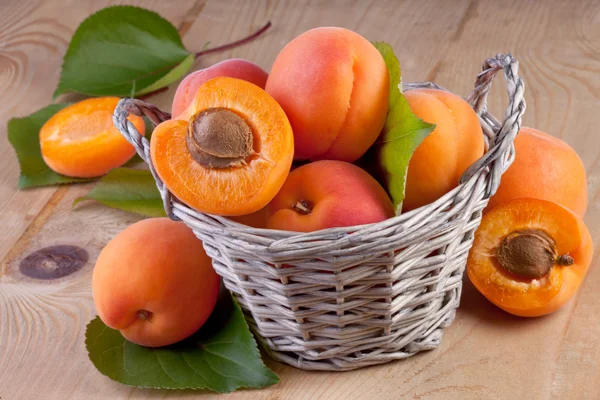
(457, 141)
(334, 86)
(154, 283)
(529, 256)
(546, 168)
(81, 141)
(229, 152)
(328, 194)
(233, 68)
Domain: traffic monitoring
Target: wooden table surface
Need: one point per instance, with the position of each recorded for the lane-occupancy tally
(485, 354)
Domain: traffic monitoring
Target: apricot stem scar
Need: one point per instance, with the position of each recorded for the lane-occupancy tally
(565, 260)
(144, 315)
(224, 47)
(302, 207)
(239, 42)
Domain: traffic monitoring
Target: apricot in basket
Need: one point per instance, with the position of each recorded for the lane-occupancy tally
(438, 163)
(334, 86)
(229, 152)
(233, 68)
(327, 194)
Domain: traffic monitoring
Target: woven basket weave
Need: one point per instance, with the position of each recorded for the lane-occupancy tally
(345, 298)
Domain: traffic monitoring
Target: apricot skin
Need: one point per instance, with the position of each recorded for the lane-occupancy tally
(334, 87)
(545, 168)
(340, 193)
(233, 68)
(156, 265)
(457, 141)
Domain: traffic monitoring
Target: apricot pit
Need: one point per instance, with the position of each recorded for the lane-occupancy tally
(219, 138)
(530, 253)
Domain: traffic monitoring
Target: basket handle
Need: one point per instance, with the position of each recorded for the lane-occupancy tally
(500, 136)
(142, 145)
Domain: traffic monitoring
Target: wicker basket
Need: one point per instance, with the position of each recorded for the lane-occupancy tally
(357, 296)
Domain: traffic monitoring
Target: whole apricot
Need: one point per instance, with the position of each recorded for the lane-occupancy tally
(328, 194)
(154, 283)
(546, 168)
(457, 141)
(81, 141)
(334, 86)
(233, 68)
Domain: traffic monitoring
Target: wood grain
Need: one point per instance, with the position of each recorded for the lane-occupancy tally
(485, 354)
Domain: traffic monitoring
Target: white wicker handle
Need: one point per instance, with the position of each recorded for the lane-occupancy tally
(142, 145)
(499, 136)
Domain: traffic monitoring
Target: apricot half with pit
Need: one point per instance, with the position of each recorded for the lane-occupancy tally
(229, 152)
(529, 256)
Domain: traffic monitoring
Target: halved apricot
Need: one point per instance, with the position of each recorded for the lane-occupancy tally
(529, 256)
(229, 152)
(81, 141)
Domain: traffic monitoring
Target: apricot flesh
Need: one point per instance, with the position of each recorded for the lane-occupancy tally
(81, 141)
(154, 283)
(457, 141)
(545, 167)
(334, 86)
(326, 194)
(233, 68)
(528, 295)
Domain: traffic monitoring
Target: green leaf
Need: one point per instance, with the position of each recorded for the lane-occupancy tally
(222, 356)
(172, 76)
(132, 190)
(402, 134)
(122, 47)
(24, 136)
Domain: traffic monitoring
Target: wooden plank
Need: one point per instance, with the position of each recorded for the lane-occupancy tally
(33, 40)
(485, 353)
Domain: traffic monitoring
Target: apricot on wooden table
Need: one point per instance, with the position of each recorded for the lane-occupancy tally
(327, 194)
(529, 256)
(81, 141)
(154, 283)
(229, 152)
(233, 68)
(457, 141)
(334, 86)
(546, 168)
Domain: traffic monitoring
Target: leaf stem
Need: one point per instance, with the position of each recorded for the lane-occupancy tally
(237, 43)
(150, 94)
(217, 49)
